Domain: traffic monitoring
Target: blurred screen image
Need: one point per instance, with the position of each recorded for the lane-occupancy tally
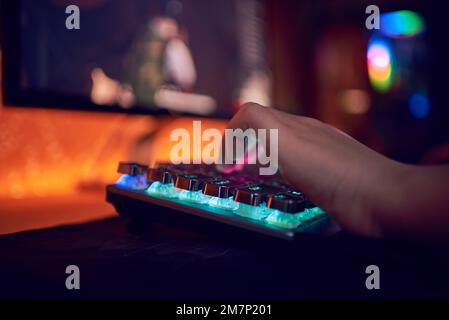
(385, 87)
(187, 56)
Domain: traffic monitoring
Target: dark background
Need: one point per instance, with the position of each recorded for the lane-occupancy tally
(52, 158)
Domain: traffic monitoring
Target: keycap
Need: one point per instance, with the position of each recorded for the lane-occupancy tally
(132, 168)
(255, 195)
(175, 169)
(309, 204)
(191, 182)
(287, 202)
(133, 176)
(161, 175)
(222, 188)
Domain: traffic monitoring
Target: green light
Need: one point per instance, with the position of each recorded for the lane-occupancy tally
(194, 196)
(165, 190)
(401, 24)
(292, 221)
(221, 182)
(253, 212)
(224, 203)
(313, 212)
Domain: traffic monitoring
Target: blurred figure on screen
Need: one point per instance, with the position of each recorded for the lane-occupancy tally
(159, 58)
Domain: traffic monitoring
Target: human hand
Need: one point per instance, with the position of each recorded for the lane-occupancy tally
(347, 179)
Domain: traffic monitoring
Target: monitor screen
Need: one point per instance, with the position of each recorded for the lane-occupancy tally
(144, 56)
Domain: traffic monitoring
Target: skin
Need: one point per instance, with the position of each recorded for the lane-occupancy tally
(367, 193)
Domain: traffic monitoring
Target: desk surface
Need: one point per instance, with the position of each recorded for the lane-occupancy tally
(38, 213)
(120, 260)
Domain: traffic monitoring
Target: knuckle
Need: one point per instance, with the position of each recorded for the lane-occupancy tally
(311, 121)
(250, 108)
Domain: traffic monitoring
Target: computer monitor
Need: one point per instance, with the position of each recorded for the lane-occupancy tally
(140, 56)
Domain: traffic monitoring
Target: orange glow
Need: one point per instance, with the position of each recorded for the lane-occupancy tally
(162, 145)
(380, 73)
(53, 152)
(354, 101)
(48, 153)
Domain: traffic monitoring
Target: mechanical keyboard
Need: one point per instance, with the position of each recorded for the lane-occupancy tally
(200, 194)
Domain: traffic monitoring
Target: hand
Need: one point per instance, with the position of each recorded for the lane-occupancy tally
(367, 193)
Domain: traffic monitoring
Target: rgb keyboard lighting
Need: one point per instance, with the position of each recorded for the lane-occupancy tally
(132, 182)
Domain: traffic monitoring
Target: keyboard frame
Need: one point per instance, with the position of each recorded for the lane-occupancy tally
(140, 205)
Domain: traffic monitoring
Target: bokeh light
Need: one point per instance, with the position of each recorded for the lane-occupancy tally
(380, 66)
(419, 105)
(401, 24)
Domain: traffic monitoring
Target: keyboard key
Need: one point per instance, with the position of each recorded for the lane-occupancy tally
(310, 205)
(175, 169)
(161, 175)
(222, 188)
(252, 201)
(287, 202)
(192, 182)
(192, 187)
(132, 168)
(255, 195)
(133, 176)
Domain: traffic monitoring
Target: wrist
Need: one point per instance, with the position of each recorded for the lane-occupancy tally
(387, 196)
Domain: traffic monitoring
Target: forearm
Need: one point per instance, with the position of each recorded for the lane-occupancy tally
(416, 202)
(381, 197)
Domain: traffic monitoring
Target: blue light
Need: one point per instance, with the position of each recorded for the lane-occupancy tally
(401, 24)
(419, 105)
(132, 182)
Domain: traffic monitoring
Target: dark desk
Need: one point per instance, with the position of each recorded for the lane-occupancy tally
(120, 260)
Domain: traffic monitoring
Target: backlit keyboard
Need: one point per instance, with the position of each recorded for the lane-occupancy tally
(245, 200)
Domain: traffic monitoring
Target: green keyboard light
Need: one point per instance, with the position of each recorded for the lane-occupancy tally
(292, 221)
(164, 190)
(224, 203)
(193, 196)
(259, 212)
